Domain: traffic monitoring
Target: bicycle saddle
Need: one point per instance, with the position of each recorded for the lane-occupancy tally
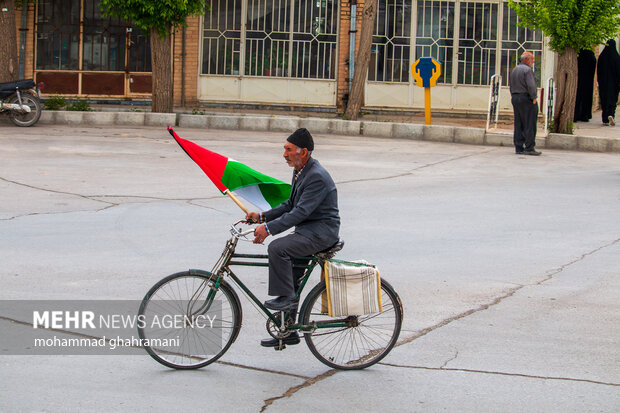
(334, 248)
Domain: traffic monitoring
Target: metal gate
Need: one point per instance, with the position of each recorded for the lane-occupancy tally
(270, 51)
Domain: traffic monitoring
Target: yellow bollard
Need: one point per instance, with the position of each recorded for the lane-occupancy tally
(427, 105)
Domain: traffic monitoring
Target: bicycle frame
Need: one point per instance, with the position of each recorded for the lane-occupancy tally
(229, 258)
(234, 261)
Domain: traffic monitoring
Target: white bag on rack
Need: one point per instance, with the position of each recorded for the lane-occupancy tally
(353, 288)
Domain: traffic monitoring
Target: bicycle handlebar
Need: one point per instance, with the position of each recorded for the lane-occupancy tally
(238, 233)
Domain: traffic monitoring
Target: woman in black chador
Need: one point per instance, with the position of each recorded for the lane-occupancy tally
(586, 63)
(608, 74)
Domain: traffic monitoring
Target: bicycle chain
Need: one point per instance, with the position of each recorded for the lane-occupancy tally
(274, 331)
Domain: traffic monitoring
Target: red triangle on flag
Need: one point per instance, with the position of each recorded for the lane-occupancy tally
(213, 164)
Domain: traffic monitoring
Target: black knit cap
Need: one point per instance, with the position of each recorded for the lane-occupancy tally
(302, 138)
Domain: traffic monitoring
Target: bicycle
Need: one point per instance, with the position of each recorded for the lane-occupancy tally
(347, 343)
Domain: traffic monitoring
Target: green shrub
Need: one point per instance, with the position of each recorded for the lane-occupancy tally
(55, 102)
(79, 105)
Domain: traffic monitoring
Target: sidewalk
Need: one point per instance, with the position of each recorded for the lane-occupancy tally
(596, 128)
(459, 128)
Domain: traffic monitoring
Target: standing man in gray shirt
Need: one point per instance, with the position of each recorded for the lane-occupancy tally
(523, 92)
(312, 209)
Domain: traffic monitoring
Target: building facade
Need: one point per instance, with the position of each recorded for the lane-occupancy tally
(284, 52)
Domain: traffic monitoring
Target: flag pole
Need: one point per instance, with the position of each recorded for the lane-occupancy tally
(239, 204)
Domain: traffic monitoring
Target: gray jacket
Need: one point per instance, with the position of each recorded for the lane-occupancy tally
(312, 207)
(522, 81)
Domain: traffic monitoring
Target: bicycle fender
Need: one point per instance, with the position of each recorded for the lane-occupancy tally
(201, 272)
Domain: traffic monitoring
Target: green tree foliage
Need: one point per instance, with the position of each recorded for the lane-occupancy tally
(161, 15)
(576, 24)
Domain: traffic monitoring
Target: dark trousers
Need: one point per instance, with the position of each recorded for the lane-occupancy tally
(525, 114)
(282, 278)
(609, 100)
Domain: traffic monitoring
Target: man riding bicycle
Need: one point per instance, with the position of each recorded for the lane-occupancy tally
(312, 209)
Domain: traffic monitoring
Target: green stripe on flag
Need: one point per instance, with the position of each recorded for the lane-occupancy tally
(275, 194)
(237, 175)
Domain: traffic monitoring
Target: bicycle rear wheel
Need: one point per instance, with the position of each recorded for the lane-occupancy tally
(175, 327)
(366, 339)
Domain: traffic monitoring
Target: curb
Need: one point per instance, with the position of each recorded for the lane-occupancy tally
(276, 123)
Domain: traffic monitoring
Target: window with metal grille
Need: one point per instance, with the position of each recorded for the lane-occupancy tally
(389, 58)
(221, 47)
(101, 41)
(315, 35)
(435, 34)
(267, 38)
(477, 43)
(282, 38)
(139, 51)
(58, 35)
(515, 41)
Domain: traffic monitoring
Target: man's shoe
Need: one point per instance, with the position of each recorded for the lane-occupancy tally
(272, 342)
(532, 152)
(282, 303)
(612, 121)
(519, 152)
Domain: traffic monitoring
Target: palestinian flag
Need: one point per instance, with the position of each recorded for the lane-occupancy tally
(261, 190)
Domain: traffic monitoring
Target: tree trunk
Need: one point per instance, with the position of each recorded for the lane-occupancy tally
(362, 60)
(565, 91)
(9, 65)
(161, 62)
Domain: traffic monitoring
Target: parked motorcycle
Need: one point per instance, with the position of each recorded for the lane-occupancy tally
(20, 101)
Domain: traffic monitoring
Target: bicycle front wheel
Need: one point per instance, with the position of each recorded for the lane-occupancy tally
(362, 342)
(182, 327)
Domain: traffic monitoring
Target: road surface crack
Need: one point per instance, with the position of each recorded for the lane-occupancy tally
(102, 199)
(561, 268)
(292, 390)
(412, 171)
(502, 373)
(469, 312)
(90, 198)
(456, 354)
(55, 213)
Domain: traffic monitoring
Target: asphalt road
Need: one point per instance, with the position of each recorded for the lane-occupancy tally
(508, 268)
